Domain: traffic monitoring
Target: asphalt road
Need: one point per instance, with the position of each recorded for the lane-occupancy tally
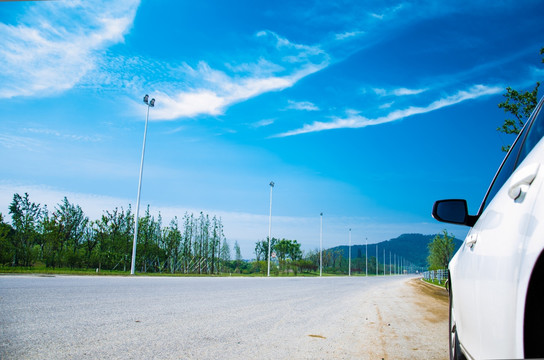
(76, 317)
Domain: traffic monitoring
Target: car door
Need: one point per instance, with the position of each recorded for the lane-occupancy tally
(495, 247)
(463, 267)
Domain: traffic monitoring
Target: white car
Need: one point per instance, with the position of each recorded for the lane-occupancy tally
(496, 278)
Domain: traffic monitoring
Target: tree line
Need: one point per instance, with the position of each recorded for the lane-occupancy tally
(66, 237)
(289, 258)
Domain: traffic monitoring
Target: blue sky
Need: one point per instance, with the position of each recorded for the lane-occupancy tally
(367, 111)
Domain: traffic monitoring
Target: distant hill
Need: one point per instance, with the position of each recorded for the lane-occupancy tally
(412, 247)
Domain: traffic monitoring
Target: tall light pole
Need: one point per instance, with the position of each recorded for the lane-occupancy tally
(384, 262)
(377, 266)
(270, 226)
(366, 258)
(321, 245)
(149, 104)
(349, 262)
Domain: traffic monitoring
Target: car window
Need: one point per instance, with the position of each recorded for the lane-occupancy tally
(533, 136)
(524, 143)
(504, 172)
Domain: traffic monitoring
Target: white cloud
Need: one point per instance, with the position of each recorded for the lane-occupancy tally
(398, 92)
(55, 44)
(302, 105)
(212, 91)
(262, 123)
(354, 120)
(386, 105)
(405, 91)
(349, 34)
(380, 91)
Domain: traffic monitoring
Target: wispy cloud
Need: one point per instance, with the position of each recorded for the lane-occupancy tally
(66, 136)
(386, 105)
(302, 105)
(55, 44)
(388, 12)
(398, 91)
(262, 123)
(349, 34)
(355, 120)
(215, 90)
(13, 142)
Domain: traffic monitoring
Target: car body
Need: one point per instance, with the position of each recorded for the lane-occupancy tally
(496, 278)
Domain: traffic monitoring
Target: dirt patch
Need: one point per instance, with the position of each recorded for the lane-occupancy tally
(433, 301)
(436, 292)
(408, 320)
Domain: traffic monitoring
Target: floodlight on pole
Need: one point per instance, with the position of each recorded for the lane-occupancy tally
(270, 227)
(321, 245)
(149, 104)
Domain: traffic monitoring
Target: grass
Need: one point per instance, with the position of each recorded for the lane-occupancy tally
(42, 269)
(435, 282)
(39, 268)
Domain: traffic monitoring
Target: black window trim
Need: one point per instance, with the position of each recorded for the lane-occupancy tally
(521, 137)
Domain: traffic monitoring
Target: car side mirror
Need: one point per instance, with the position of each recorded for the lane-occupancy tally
(453, 211)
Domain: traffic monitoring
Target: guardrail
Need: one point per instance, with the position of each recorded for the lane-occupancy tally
(438, 275)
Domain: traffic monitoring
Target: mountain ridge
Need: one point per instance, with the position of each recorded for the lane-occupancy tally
(412, 247)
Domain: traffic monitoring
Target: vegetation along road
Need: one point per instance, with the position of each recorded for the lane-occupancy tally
(69, 317)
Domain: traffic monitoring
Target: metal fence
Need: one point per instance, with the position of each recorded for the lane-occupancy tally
(439, 275)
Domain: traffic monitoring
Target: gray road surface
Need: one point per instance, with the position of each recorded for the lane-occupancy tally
(76, 317)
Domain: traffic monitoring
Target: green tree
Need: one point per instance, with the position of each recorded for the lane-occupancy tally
(188, 236)
(90, 245)
(294, 251)
(237, 257)
(216, 236)
(115, 234)
(69, 226)
(149, 238)
(172, 244)
(237, 252)
(441, 250)
(6, 245)
(282, 248)
(50, 242)
(288, 252)
(25, 216)
(261, 250)
(204, 241)
(225, 253)
(520, 105)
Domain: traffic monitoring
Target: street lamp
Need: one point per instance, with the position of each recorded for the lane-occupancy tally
(384, 262)
(149, 104)
(377, 266)
(349, 262)
(321, 246)
(270, 226)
